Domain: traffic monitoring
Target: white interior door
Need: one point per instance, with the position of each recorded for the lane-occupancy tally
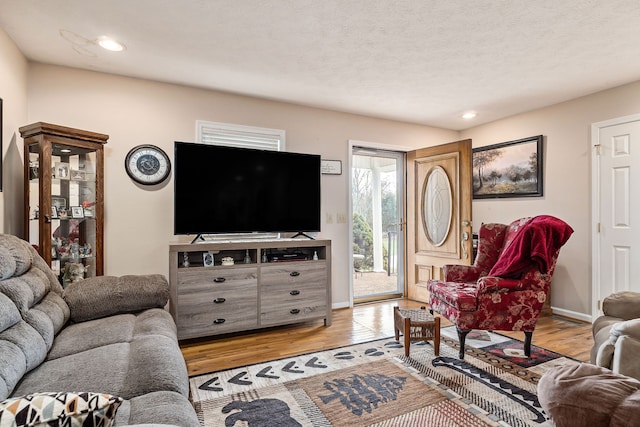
(616, 207)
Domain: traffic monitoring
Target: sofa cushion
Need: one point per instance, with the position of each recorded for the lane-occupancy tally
(17, 249)
(581, 394)
(107, 295)
(161, 407)
(62, 409)
(83, 336)
(30, 317)
(623, 304)
(147, 362)
(628, 411)
(7, 263)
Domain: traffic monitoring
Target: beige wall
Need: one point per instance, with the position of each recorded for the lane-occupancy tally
(13, 91)
(139, 221)
(567, 181)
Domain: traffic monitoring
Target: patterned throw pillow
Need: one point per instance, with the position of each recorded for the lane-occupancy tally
(60, 409)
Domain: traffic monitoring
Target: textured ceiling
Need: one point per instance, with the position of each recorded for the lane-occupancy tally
(421, 61)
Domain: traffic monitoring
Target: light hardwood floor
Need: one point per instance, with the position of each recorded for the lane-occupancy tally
(363, 323)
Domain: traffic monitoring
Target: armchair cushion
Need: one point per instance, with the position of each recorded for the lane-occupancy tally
(103, 296)
(460, 296)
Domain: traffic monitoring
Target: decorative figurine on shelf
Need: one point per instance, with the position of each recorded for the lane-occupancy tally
(247, 257)
(315, 255)
(86, 250)
(73, 272)
(75, 251)
(185, 259)
(227, 260)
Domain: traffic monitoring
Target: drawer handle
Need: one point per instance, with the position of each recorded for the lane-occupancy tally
(218, 321)
(294, 274)
(219, 300)
(295, 311)
(296, 292)
(219, 279)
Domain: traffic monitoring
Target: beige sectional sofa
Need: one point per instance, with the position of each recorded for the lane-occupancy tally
(616, 334)
(107, 335)
(605, 392)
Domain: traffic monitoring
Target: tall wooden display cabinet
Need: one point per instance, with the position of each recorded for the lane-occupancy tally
(64, 198)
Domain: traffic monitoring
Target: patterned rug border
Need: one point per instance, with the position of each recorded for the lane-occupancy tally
(444, 339)
(292, 356)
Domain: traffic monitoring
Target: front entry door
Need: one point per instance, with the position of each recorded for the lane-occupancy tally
(438, 213)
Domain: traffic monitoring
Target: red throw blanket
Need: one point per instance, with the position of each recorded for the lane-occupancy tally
(536, 242)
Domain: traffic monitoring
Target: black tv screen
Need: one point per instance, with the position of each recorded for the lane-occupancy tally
(235, 190)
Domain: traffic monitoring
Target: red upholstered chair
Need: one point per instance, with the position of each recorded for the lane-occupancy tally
(506, 287)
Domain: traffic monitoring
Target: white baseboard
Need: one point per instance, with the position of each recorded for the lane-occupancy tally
(344, 304)
(571, 314)
(559, 311)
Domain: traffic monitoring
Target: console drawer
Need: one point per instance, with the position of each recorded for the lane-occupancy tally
(294, 273)
(288, 298)
(208, 305)
(190, 278)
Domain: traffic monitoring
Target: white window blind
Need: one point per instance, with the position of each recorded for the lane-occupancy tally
(240, 136)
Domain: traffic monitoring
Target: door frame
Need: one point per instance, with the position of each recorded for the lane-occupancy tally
(373, 146)
(596, 206)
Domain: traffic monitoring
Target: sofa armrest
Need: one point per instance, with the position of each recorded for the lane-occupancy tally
(104, 296)
(625, 305)
(619, 352)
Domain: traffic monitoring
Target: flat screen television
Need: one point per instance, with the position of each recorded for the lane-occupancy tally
(221, 189)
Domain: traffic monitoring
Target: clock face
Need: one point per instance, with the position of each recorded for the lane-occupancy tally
(147, 164)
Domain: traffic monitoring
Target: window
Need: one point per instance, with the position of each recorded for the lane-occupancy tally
(240, 136)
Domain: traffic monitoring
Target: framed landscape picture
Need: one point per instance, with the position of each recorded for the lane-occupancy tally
(508, 169)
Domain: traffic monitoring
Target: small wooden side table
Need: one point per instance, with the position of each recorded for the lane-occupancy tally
(416, 325)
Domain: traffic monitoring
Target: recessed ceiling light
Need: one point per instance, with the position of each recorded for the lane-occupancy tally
(65, 150)
(110, 44)
(469, 115)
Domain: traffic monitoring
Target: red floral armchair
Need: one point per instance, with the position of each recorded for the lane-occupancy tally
(508, 283)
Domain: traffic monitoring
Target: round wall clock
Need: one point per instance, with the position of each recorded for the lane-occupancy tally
(147, 164)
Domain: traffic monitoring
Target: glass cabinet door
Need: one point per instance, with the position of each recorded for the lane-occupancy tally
(64, 205)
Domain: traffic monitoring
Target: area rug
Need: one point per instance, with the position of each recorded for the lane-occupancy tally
(375, 384)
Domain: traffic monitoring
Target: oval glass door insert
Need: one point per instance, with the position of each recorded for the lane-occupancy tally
(437, 206)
